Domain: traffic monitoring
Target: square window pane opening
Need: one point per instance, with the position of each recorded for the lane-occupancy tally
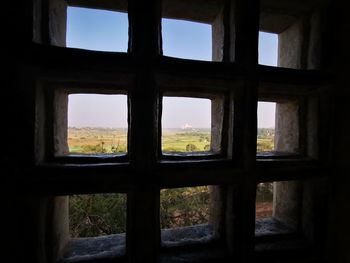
(187, 39)
(268, 49)
(193, 29)
(97, 29)
(97, 215)
(97, 124)
(278, 206)
(184, 216)
(186, 126)
(283, 37)
(266, 126)
(278, 128)
(97, 226)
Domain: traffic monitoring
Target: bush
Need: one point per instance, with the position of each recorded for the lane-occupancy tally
(97, 214)
(184, 206)
(191, 147)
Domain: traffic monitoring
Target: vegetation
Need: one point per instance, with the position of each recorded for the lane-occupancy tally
(184, 206)
(177, 140)
(265, 140)
(105, 214)
(264, 200)
(97, 214)
(97, 140)
(110, 141)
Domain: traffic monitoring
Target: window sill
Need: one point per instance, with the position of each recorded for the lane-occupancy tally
(274, 236)
(192, 244)
(278, 155)
(91, 249)
(187, 236)
(190, 156)
(269, 227)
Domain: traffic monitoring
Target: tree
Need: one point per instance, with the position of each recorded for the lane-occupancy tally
(191, 147)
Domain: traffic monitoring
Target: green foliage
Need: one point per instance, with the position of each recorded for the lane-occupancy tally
(264, 192)
(97, 214)
(265, 132)
(97, 140)
(105, 214)
(264, 145)
(182, 141)
(94, 149)
(118, 149)
(191, 147)
(184, 206)
(265, 140)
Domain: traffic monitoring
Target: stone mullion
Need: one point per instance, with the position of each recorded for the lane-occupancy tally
(143, 238)
(242, 24)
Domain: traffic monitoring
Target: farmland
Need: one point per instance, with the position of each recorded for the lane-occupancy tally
(114, 140)
(97, 140)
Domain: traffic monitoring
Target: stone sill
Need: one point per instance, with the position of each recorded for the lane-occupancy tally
(271, 227)
(113, 248)
(94, 249)
(272, 235)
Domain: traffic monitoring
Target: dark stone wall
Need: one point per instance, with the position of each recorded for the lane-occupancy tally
(339, 213)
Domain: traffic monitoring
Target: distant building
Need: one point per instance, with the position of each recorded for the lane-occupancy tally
(187, 126)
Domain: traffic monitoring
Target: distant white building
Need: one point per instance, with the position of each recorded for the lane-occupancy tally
(187, 126)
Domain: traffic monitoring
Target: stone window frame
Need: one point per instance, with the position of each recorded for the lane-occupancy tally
(234, 178)
(218, 92)
(288, 136)
(52, 114)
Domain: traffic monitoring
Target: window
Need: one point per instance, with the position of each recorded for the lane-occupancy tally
(190, 34)
(268, 49)
(266, 126)
(184, 216)
(264, 200)
(97, 226)
(186, 125)
(89, 124)
(220, 162)
(185, 39)
(278, 208)
(97, 215)
(97, 124)
(99, 30)
(278, 127)
(296, 33)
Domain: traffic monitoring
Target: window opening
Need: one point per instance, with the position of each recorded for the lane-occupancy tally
(278, 206)
(97, 227)
(186, 125)
(97, 124)
(264, 200)
(268, 49)
(184, 216)
(187, 39)
(97, 215)
(266, 126)
(99, 30)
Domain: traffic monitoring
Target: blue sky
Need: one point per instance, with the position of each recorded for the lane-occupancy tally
(108, 31)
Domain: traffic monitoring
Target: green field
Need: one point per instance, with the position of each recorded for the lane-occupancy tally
(176, 140)
(97, 140)
(112, 141)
